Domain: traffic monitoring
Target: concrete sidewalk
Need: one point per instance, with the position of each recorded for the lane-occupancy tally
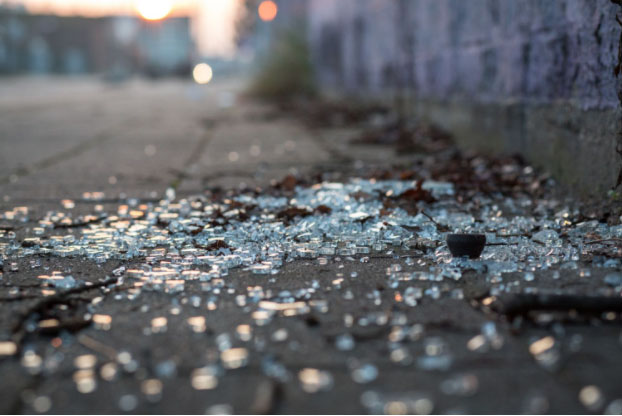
(325, 334)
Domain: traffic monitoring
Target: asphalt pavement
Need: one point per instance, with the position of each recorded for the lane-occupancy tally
(326, 332)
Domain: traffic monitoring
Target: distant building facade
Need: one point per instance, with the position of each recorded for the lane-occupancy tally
(49, 44)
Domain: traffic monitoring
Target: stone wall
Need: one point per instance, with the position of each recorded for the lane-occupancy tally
(528, 76)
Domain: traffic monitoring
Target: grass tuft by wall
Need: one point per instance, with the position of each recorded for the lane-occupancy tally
(286, 72)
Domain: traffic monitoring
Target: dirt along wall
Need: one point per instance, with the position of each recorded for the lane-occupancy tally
(528, 76)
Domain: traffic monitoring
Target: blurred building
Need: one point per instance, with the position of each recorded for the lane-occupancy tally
(116, 45)
(165, 47)
(258, 36)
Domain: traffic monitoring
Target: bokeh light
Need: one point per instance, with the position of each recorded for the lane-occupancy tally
(202, 73)
(154, 9)
(268, 10)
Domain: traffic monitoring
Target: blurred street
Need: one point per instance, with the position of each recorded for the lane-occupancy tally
(136, 139)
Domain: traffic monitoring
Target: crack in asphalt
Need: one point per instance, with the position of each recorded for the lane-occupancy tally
(18, 329)
(57, 158)
(195, 155)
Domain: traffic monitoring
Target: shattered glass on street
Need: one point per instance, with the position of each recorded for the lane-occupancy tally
(198, 239)
(166, 246)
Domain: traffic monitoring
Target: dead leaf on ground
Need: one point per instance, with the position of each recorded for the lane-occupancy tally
(288, 183)
(416, 194)
(323, 209)
(361, 196)
(216, 245)
(290, 213)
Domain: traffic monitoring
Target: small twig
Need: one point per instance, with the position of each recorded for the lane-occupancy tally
(512, 235)
(428, 216)
(605, 240)
(45, 303)
(438, 225)
(523, 304)
(98, 346)
(70, 325)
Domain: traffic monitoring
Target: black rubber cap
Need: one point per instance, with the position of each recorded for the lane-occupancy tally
(470, 245)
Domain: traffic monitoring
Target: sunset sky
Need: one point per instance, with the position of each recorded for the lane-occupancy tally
(213, 20)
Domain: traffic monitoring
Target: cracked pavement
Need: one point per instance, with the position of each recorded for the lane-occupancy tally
(100, 347)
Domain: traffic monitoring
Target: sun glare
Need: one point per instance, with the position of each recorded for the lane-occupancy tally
(154, 9)
(268, 10)
(202, 74)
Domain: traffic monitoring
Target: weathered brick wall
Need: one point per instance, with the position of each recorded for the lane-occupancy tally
(516, 56)
(487, 50)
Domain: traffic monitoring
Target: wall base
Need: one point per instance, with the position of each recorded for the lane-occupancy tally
(576, 146)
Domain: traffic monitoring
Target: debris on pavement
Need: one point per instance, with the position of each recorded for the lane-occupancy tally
(466, 245)
(455, 229)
